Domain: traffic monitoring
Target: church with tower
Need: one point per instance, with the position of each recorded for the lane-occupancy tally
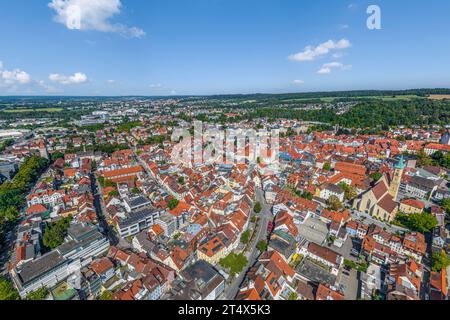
(381, 200)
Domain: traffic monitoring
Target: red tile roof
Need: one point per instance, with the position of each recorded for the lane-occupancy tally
(122, 172)
(350, 168)
(414, 203)
(438, 146)
(387, 203)
(380, 190)
(324, 253)
(278, 261)
(438, 282)
(250, 295)
(325, 293)
(100, 266)
(37, 208)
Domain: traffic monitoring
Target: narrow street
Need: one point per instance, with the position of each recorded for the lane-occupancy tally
(101, 212)
(262, 234)
(148, 171)
(427, 265)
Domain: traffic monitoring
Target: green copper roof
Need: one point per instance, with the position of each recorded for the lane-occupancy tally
(401, 164)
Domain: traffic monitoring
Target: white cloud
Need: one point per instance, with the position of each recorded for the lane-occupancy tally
(20, 82)
(311, 53)
(156, 86)
(77, 78)
(298, 82)
(92, 15)
(344, 27)
(13, 77)
(21, 76)
(328, 67)
(111, 81)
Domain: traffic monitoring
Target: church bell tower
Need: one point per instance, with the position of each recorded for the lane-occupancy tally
(394, 186)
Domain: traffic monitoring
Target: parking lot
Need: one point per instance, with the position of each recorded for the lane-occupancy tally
(346, 249)
(348, 281)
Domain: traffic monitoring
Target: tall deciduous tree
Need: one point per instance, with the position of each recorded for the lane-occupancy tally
(334, 203)
(440, 260)
(7, 290)
(258, 207)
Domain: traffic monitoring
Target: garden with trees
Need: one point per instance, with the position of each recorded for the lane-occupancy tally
(350, 191)
(55, 233)
(39, 294)
(438, 159)
(7, 290)
(334, 203)
(173, 203)
(234, 263)
(421, 222)
(245, 237)
(440, 260)
(13, 193)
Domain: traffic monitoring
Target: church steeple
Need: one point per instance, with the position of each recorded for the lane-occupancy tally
(397, 179)
(401, 164)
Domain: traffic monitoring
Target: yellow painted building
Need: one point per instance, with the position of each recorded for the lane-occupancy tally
(212, 251)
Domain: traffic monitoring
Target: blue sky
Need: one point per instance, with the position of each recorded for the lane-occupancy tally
(183, 47)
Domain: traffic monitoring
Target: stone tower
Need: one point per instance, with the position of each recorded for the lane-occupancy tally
(397, 179)
(43, 150)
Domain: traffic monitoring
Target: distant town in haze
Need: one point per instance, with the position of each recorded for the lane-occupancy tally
(203, 161)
